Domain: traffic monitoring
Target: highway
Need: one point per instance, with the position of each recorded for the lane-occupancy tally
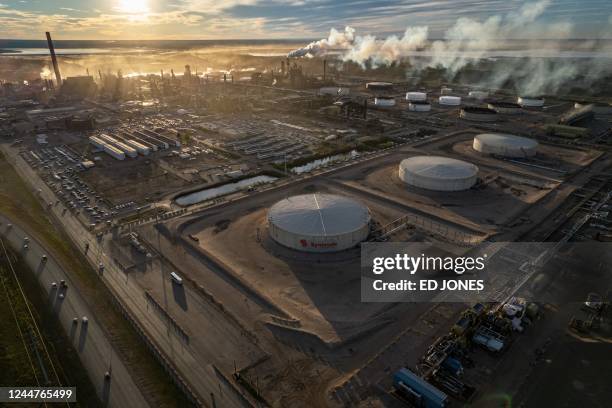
(197, 369)
(90, 340)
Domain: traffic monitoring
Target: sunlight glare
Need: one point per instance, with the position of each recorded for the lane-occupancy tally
(133, 6)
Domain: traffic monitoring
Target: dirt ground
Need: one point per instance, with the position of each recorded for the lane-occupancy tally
(487, 209)
(141, 178)
(553, 157)
(325, 298)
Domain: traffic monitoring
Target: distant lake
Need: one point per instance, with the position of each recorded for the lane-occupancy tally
(58, 51)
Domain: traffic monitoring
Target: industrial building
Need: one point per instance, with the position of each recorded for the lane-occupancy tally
(438, 173)
(319, 222)
(505, 145)
(129, 151)
(478, 114)
(107, 148)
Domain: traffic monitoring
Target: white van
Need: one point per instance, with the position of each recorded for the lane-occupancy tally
(177, 279)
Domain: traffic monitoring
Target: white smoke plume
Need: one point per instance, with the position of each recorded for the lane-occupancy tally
(469, 41)
(341, 40)
(389, 50)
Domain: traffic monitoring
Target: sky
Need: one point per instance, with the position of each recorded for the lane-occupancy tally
(286, 19)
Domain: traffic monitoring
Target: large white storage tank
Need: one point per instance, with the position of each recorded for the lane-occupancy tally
(505, 145)
(438, 173)
(416, 96)
(448, 100)
(319, 222)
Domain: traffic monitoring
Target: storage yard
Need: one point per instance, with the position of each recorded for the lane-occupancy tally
(236, 210)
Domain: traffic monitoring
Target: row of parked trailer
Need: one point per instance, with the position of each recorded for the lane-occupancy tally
(132, 142)
(266, 147)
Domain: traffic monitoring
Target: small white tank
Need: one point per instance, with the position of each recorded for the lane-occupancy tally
(418, 106)
(384, 102)
(530, 102)
(448, 100)
(478, 95)
(416, 96)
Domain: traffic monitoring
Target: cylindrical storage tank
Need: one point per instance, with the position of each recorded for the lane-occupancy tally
(333, 90)
(477, 114)
(478, 95)
(419, 106)
(448, 100)
(505, 145)
(530, 101)
(416, 96)
(384, 102)
(505, 108)
(319, 222)
(379, 86)
(438, 173)
(599, 108)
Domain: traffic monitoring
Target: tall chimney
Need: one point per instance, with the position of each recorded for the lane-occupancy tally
(324, 69)
(58, 76)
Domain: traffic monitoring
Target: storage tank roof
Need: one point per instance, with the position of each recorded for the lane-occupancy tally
(319, 214)
(439, 167)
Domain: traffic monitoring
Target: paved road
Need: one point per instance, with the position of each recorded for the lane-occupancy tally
(198, 371)
(89, 340)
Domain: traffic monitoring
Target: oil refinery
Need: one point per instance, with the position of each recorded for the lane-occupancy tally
(194, 222)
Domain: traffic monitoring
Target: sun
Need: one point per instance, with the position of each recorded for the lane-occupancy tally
(133, 6)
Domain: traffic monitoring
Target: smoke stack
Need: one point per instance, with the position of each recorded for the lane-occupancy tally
(58, 76)
(324, 69)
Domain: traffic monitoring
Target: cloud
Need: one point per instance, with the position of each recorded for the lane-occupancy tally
(196, 19)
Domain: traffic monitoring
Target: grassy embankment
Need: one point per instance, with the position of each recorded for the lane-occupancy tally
(18, 364)
(19, 203)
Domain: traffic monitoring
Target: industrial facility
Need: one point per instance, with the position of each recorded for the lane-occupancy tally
(319, 222)
(235, 192)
